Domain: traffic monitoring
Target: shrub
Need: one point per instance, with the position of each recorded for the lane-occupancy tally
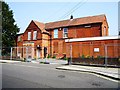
(83, 56)
(65, 58)
(48, 56)
(24, 59)
(98, 57)
(54, 56)
(34, 57)
(87, 56)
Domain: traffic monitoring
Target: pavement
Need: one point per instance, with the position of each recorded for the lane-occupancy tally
(108, 72)
(50, 61)
(8, 61)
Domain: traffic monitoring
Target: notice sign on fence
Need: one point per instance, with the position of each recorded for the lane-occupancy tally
(96, 49)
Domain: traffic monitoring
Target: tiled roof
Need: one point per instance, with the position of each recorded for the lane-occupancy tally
(41, 26)
(76, 21)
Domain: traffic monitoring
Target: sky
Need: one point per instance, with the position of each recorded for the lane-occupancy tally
(45, 12)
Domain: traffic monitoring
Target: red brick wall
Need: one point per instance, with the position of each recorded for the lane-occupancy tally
(31, 28)
(86, 48)
(73, 32)
(80, 31)
(93, 31)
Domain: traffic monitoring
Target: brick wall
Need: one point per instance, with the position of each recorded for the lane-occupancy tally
(86, 48)
(88, 30)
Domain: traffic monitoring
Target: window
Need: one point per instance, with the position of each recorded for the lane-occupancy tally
(35, 35)
(55, 33)
(87, 26)
(29, 35)
(104, 31)
(19, 38)
(65, 32)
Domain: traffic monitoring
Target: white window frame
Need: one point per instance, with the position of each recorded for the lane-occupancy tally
(19, 38)
(55, 34)
(29, 35)
(104, 31)
(35, 35)
(87, 26)
(65, 33)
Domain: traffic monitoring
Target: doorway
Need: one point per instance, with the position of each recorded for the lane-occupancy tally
(45, 52)
(38, 53)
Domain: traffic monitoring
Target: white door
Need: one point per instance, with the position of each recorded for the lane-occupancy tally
(38, 53)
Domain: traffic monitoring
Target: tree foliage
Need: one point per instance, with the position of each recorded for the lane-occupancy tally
(9, 28)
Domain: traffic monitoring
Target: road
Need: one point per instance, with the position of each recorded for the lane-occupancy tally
(30, 75)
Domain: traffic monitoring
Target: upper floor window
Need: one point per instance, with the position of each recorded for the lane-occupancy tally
(65, 32)
(55, 33)
(19, 38)
(104, 31)
(87, 26)
(35, 35)
(29, 35)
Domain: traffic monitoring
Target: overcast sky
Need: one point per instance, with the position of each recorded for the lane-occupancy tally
(44, 12)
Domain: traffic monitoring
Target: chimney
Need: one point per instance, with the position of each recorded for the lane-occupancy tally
(71, 17)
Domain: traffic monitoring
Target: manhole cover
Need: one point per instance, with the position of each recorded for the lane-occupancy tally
(96, 84)
(61, 76)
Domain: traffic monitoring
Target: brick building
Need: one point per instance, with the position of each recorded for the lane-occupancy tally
(54, 38)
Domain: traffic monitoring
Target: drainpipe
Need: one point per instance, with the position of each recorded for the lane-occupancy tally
(50, 45)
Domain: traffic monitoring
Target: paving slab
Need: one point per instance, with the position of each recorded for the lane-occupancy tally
(109, 72)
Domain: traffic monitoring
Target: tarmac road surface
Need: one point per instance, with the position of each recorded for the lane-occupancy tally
(31, 75)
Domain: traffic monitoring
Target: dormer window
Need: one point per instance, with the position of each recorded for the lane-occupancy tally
(65, 32)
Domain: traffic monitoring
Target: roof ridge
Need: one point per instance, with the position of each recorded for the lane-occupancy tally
(77, 18)
(38, 21)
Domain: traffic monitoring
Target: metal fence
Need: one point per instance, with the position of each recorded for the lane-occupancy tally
(107, 54)
(25, 53)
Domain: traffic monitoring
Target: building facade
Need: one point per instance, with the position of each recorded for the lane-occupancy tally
(53, 39)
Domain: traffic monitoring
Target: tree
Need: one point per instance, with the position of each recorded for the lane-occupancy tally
(9, 28)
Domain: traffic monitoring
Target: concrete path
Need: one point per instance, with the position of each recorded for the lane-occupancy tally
(8, 61)
(50, 61)
(109, 72)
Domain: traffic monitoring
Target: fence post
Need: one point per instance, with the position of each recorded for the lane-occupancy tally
(70, 53)
(26, 53)
(17, 51)
(105, 55)
(11, 54)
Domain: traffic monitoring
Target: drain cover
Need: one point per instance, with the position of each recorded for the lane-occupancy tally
(61, 76)
(96, 84)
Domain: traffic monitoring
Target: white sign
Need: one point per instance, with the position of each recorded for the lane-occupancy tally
(96, 49)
